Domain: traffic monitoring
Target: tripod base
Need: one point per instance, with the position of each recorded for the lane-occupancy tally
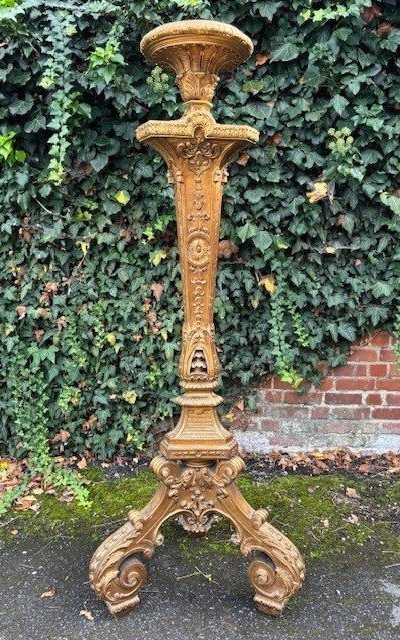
(196, 494)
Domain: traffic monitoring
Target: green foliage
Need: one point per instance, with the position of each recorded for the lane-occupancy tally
(337, 11)
(345, 159)
(287, 332)
(29, 402)
(90, 276)
(7, 151)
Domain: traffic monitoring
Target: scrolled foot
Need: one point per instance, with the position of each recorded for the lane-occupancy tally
(115, 573)
(122, 595)
(278, 572)
(280, 575)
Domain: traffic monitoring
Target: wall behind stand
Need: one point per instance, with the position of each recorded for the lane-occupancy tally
(357, 405)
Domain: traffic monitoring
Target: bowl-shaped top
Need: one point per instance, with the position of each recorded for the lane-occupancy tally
(166, 45)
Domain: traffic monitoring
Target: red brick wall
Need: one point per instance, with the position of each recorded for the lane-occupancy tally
(357, 405)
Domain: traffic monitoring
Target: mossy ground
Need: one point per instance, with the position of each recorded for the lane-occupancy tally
(313, 511)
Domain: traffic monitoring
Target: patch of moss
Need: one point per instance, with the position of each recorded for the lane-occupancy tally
(314, 512)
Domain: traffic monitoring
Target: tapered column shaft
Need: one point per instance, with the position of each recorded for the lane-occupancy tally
(196, 150)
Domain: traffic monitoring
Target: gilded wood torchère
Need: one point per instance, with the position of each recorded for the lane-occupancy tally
(198, 460)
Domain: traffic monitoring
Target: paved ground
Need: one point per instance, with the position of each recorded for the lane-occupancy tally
(340, 600)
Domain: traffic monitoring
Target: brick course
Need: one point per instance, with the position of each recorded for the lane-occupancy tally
(357, 405)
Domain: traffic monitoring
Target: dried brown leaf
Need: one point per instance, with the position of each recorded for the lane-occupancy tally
(243, 159)
(86, 614)
(82, 464)
(240, 405)
(352, 493)
(157, 289)
(262, 58)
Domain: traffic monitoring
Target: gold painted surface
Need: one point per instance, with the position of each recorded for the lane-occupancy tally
(198, 461)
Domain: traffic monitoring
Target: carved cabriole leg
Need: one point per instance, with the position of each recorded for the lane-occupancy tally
(115, 573)
(278, 576)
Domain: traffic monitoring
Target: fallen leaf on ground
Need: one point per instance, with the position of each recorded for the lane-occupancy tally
(86, 614)
(27, 502)
(240, 405)
(49, 594)
(353, 518)
(352, 493)
(365, 468)
(383, 464)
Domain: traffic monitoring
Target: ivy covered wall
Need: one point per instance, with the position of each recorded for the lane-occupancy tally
(91, 297)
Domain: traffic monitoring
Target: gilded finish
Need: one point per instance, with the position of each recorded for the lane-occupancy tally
(198, 461)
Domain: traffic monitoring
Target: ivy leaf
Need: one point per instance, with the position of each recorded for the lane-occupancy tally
(158, 256)
(267, 9)
(285, 52)
(20, 156)
(99, 162)
(130, 396)
(348, 223)
(376, 314)
(122, 197)
(125, 129)
(39, 122)
(347, 331)
(20, 107)
(319, 192)
(52, 233)
(263, 240)
(84, 246)
(313, 77)
(247, 231)
(391, 201)
(381, 289)
(269, 283)
(258, 110)
(254, 195)
(339, 103)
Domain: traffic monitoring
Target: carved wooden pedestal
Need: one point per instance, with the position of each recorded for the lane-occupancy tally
(198, 461)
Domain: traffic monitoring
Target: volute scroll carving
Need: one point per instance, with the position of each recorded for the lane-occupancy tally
(198, 460)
